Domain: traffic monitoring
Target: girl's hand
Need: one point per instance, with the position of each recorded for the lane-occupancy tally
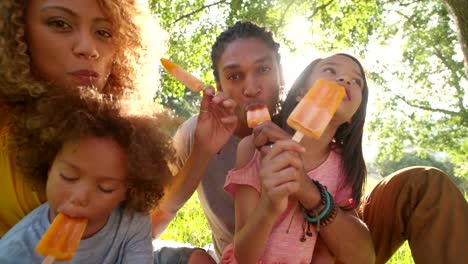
(268, 133)
(216, 122)
(281, 174)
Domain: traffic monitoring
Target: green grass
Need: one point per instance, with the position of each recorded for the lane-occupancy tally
(190, 226)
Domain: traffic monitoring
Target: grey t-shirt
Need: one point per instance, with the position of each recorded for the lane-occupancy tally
(126, 238)
(216, 203)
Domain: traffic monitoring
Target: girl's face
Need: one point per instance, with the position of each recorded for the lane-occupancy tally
(70, 42)
(88, 178)
(347, 73)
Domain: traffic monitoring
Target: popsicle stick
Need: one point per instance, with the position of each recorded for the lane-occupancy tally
(298, 136)
(48, 260)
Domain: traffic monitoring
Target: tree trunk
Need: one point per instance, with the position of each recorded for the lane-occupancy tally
(459, 11)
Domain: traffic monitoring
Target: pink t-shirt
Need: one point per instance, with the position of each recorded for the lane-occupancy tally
(283, 247)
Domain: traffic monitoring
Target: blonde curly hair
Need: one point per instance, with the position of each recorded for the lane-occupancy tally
(139, 41)
(141, 129)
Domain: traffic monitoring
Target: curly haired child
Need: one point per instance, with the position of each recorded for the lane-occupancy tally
(100, 158)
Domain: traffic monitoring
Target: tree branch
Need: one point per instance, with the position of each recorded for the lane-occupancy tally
(441, 57)
(410, 3)
(439, 110)
(317, 9)
(196, 11)
(459, 90)
(280, 24)
(459, 11)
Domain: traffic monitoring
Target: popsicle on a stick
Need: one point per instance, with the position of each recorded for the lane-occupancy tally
(62, 238)
(313, 113)
(192, 82)
(257, 114)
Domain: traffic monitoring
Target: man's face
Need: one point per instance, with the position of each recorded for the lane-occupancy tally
(249, 73)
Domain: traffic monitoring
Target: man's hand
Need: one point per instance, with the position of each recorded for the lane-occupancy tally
(216, 123)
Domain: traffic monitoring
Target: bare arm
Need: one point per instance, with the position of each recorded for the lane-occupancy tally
(348, 238)
(215, 125)
(256, 214)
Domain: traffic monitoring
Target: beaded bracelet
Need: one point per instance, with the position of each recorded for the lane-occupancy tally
(327, 215)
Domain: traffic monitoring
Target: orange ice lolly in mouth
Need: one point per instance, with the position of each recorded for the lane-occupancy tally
(313, 113)
(192, 82)
(257, 114)
(62, 238)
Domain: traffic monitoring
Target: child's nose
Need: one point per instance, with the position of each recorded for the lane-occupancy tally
(80, 197)
(344, 80)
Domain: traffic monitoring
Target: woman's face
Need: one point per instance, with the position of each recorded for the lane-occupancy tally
(70, 42)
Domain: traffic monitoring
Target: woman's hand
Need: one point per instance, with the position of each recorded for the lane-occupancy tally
(216, 122)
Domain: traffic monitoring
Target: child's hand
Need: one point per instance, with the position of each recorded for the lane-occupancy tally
(216, 122)
(281, 174)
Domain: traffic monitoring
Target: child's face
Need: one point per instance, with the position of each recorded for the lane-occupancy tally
(347, 73)
(88, 179)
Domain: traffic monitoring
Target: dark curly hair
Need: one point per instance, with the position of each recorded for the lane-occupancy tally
(61, 115)
(241, 30)
(348, 137)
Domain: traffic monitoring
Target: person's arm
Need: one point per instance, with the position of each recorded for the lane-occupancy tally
(347, 237)
(215, 125)
(253, 222)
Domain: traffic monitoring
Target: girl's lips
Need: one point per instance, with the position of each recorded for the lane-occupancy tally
(347, 94)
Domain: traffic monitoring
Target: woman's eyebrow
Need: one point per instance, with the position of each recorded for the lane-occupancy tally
(72, 13)
(64, 9)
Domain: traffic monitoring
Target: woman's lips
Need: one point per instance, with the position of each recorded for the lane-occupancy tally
(86, 76)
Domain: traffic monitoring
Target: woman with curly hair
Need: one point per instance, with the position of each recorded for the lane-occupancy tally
(101, 43)
(91, 154)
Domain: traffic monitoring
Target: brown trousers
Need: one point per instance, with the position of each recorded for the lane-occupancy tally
(423, 206)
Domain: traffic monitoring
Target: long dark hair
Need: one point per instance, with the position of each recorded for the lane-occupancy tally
(348, 137)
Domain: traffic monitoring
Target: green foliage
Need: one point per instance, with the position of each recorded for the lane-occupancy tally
(387, 167)
(421, 100)
(420, 94)
(190, 225)
(402, 256)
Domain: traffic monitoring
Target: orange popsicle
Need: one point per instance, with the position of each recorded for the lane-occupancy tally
(257, 114)
(192, 82)
(313, 113)
(62, 238)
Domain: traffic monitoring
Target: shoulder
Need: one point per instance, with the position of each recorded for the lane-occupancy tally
(136, 222)
(18, 243)
(245, 151)
(189, 125)
(183, 138)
